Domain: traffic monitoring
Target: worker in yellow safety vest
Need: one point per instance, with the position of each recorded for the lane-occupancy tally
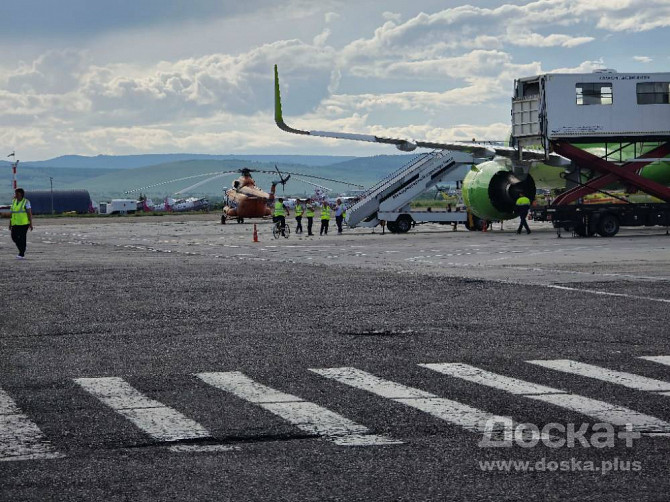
(299, 209)
(522, 208)
(280, 213)
(309, 214)
(325, 218)
(21, 221)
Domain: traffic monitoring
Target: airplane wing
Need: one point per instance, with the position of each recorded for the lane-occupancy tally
(407, 145)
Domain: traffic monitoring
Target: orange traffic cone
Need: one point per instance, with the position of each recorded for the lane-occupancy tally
(255, 234)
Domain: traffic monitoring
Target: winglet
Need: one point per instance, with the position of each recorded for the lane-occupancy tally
(278, 114)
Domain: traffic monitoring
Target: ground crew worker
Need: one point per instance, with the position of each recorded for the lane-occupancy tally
(522, 208)
(21, 220)
(280, 213)
(325, 218)
(298, 216)
(340, 209)
(309, 214)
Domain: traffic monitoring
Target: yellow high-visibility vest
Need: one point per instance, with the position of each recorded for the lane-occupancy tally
(310, 211)
(279, 209)
(523, 201)
(298, 209)
(325, 213)
(19, 213)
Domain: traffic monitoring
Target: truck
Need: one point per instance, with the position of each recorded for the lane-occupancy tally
(119, 206)
(615, 130)
(586, 220)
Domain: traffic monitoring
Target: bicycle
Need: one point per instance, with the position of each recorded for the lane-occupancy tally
(277, 230)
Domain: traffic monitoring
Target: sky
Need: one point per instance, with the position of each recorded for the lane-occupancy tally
(123, 77)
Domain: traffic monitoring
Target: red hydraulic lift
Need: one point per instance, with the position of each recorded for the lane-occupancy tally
(610, 173)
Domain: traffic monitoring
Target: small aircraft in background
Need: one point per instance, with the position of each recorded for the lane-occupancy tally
(170, 204)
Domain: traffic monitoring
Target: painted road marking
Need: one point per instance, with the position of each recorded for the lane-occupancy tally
(464, 416)
(307, 416)
(604, 293)
(606, 375)
(600, 410)
(20, 438)
(157, 420)
(658, 359)
(203, 448)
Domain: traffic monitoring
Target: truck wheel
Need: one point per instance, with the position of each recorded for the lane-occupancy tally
(580, 229)
(477, 224)
(403, 224)
(608, 226)
(223, 219)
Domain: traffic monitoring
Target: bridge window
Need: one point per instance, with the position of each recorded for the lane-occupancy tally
(653, 93)
(594, 94)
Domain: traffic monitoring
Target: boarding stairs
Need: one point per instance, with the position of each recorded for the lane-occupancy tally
(395, 192)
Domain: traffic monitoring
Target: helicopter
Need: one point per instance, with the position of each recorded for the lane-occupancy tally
(245, 199)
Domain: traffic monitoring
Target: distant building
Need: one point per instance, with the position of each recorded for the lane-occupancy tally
(64, 201)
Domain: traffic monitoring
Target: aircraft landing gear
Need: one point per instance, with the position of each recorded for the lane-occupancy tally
(223, 219)
(240, 220)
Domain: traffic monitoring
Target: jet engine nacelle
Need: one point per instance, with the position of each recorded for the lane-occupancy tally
(490, 190)
(406, 146)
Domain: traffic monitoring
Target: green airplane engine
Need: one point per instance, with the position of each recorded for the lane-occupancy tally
(490, 190)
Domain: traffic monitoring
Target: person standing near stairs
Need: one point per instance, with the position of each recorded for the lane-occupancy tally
(325, 218)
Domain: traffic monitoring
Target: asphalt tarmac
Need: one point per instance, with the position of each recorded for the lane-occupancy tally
(173, 358)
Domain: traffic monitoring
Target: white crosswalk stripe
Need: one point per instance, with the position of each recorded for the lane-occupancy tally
(154, 418)
(20, 438)
(309, 417)
(629, 380)
(467, 417)
(658, 359)
(600, 410)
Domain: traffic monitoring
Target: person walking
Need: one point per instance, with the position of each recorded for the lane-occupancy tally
(522, 208)
(299, 209)
(340, 209)
(309, 214)
(21, 221)
(325, 218)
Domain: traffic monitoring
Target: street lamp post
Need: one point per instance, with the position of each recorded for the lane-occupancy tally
(51, 182)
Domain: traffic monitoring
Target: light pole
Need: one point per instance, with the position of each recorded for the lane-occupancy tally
(51, 182)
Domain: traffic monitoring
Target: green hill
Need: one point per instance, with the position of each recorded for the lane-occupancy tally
(158, 180)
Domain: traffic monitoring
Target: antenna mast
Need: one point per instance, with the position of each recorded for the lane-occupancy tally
(14, 165)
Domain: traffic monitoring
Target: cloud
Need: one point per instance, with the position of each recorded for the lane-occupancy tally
(329, 17)
(392, 16)
(424, 69)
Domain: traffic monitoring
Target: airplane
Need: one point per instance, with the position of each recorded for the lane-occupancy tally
(170, 204)
(490, 189)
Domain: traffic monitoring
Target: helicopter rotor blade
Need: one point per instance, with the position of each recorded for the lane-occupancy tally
(356, 185)
(199, 183)
(179, 179)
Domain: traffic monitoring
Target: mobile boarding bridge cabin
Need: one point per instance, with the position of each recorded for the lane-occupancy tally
(598, 107)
